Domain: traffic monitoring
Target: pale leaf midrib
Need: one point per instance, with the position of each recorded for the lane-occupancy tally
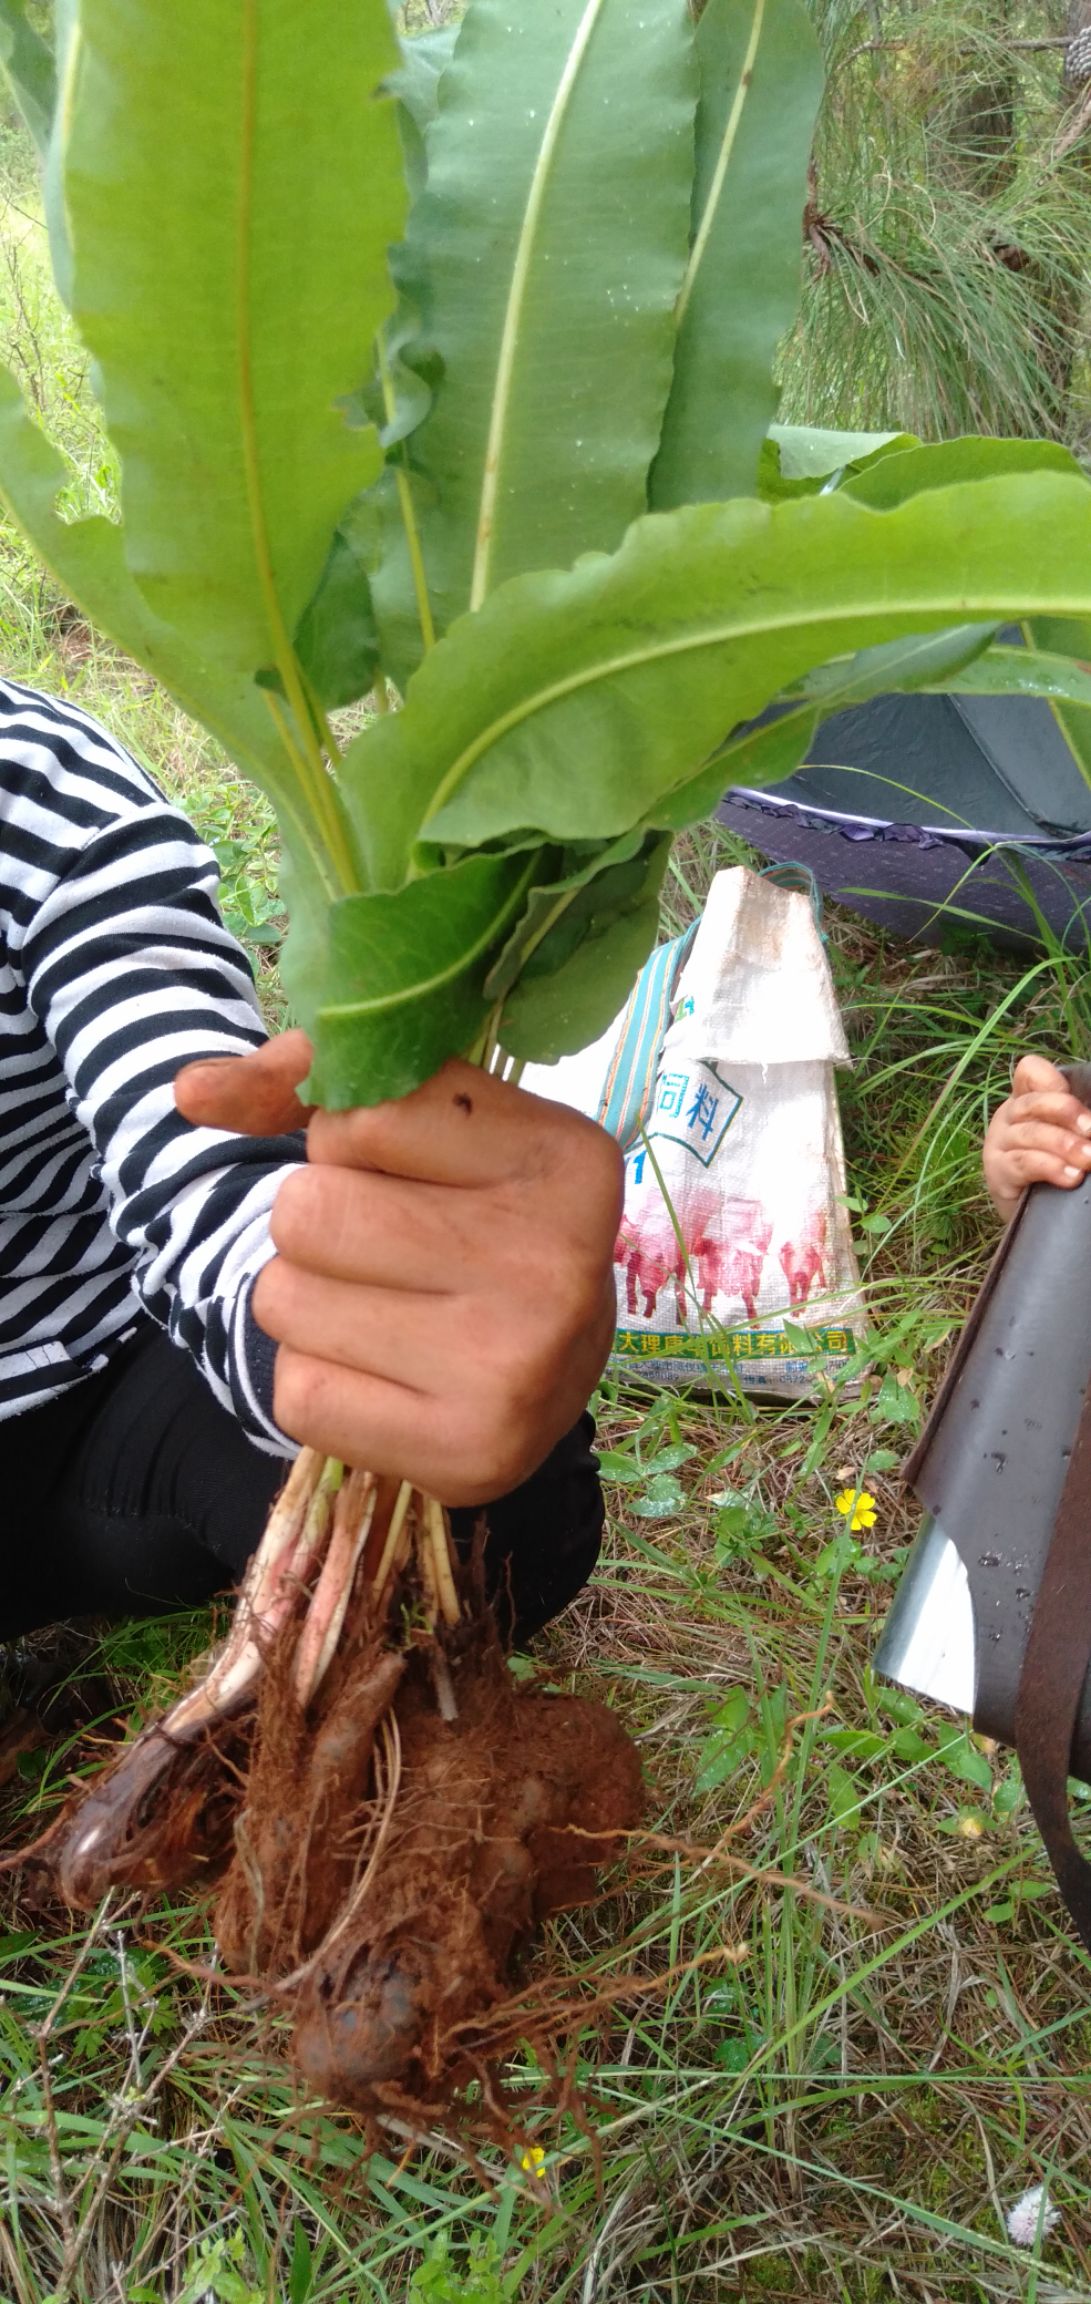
(422, 987)
(520, 277)
(317, 806)
(966, 608)
(723, 162)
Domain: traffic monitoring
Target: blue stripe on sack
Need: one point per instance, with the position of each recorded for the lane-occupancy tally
(626, 1097)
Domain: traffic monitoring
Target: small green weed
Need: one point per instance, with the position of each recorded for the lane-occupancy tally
(477, 2279)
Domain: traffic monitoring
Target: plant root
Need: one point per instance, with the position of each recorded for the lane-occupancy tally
(493, 1827)
(389, 1814)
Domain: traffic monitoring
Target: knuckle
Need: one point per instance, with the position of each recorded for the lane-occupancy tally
(320, 1217)
(343, 1139)
(293, 1390)
(497, 1446)
(586, 1155)
(269, 1300)
(560, 1295)
(294, 1210)
(305, 1396)
(469, 1461)
(605, 1158)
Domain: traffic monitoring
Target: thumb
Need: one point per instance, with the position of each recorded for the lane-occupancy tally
(253, 1095)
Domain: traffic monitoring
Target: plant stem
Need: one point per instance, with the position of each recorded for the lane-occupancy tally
(435, 1524)
(324, 816)
(324, 732)
(408, 513)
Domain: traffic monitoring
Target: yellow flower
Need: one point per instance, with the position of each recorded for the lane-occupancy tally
(532, 2162)
(858, 1506)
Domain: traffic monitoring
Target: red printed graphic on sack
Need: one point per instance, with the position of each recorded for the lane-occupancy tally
(724, 1243)
(803, 1261)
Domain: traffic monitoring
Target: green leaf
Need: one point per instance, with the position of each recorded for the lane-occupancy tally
(1003, 671)
(927, 660)
(405, 978)
(843, 1796)
(1008, 1794)
(87, 558)
(855, 1743)
(425, 57)
(734, 1711)
(424, 60)
(760, 84)
(897, 1403)
(30, 70)
(730, 1743)
(768, 754)
(780, 453)
(614, 1464)
(811, 452)
(336, 640)
(1062, 635)
(66, 41)
(661, 1499)
(966, 1762)
(578, 704)
(561, 912)
(301, 2269)
(1068, 636)
(955, 663)
(212, 239)
(671, 1458)
(305, 951)
(890, 479)
(547, 1017)
(545, 269)
(772, 483)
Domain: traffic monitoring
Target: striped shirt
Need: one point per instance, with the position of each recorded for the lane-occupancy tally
(115, 969)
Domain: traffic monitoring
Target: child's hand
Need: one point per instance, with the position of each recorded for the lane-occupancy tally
(1040, 1135)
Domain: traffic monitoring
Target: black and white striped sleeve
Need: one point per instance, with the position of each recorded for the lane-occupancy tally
(132, 973)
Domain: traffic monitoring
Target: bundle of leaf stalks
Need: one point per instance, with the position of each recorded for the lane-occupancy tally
(382, 1811)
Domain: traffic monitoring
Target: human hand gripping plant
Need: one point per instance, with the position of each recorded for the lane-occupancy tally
(504, 482)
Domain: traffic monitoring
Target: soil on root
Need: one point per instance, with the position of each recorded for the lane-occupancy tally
(390, 1863)
(383, 1853)
(140, 1824)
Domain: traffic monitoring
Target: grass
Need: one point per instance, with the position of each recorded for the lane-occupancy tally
(945, 276)
(834, 2058)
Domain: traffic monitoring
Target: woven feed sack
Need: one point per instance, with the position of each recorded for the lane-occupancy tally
(734, 1261)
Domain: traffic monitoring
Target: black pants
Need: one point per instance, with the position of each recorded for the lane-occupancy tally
(135, 1492)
